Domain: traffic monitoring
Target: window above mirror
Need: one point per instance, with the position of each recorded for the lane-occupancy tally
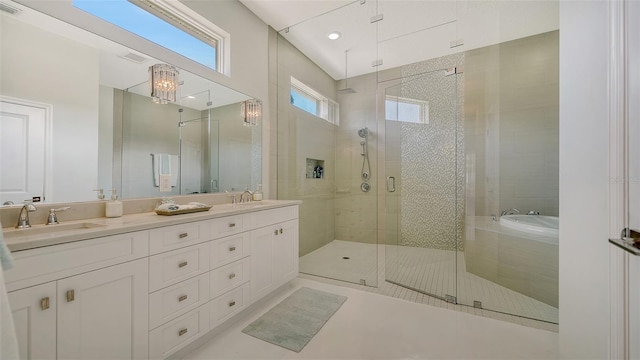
(170, 25)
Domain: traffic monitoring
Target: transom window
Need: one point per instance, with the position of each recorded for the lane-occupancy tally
(311, 101)
(166, 23)
(407, 110)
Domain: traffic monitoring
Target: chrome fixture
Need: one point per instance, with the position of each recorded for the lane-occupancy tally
(53, 217)
(242, 197)
(533, 212)
(365, 173)
(23, 217)
(234, 199)
(251, 112)
(8, 203)
(346, 90)
(509, 212)
(163, 80)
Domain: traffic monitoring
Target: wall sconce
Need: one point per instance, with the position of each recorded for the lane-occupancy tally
(163, 79)
(251, 112)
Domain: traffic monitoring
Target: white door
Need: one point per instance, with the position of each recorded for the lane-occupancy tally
(22, 152)
(262, 258)
(34, 316)
(285, 250)
(103, 314)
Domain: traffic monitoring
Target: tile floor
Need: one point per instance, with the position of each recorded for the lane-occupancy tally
(371, 326)
(432, 271)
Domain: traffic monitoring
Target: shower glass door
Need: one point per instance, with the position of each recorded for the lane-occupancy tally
(423, 181)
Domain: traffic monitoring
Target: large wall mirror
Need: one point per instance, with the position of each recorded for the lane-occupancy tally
(77, 116)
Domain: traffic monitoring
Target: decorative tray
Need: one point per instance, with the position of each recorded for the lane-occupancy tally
(183, 211)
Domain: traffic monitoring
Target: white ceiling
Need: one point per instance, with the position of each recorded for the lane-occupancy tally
(411, 30)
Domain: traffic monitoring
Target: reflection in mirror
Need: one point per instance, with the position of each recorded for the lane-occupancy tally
(89, 102)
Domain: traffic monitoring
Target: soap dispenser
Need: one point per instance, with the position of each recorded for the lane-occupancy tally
(257, 195)
(113, 207)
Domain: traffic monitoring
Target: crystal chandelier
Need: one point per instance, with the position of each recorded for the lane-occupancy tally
(251, 112)
(163, 79)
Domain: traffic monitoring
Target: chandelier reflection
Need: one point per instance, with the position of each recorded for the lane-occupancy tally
(163, 79)
(251, 112)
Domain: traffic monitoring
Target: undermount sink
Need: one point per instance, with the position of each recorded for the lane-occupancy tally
(49, 229)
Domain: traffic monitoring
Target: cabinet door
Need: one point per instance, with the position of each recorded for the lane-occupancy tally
(103, 314)
(34, 315)
(262, 277)
(285, 250)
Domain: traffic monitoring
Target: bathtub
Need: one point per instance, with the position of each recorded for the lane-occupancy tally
(533, 224)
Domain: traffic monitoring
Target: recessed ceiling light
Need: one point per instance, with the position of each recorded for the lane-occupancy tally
(334, 35)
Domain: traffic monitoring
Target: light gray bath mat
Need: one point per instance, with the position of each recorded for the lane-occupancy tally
(296, 319)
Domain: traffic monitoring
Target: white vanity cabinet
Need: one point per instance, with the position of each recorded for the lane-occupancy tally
(147, 294)
(274, 250)
(89, 299)
(34, 316)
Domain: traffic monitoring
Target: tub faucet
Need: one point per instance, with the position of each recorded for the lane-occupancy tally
(533, 212)
(509, 212)
(23, 217)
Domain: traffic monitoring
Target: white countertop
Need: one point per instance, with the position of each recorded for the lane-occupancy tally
(47, 235)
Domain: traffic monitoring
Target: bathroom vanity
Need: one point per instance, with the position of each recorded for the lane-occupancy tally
(143, 285)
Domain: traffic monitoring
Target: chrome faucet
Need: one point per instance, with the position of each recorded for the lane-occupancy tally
(53, 217)
(249, 194)
(23, 217)
(533, 212)
(509, 212)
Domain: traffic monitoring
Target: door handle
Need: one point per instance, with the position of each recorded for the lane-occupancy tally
(391, 184)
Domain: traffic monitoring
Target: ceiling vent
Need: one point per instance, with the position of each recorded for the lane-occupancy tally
(9, 9)
(135, 58)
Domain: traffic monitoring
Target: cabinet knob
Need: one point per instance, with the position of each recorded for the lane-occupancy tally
(232, 248)
(71, 295)
(183, 235)
(44, 303)
(182, 298)
(232, 303)
(232, 275)
(182, 332)
(275, 232)
(280, 230)
(183, 264)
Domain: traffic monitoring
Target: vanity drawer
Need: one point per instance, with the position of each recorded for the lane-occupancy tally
(172, 267)
(174, 237)
(174, 335)
(230, 249)
(227, 225)
(178, 299)
(229, 304)
(264, 218)
(229, 276)
(36, 266)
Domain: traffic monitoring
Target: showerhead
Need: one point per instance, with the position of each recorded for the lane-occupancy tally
(364, 132)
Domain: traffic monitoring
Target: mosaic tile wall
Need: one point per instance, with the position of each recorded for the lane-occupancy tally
(432, 157)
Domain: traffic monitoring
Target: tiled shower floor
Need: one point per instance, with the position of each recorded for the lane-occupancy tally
(432, 271)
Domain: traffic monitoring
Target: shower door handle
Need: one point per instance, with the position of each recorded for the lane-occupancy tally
(391, 184)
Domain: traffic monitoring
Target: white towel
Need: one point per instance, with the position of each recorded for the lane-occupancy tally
(165, 164)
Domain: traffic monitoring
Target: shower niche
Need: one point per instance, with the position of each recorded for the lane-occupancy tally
(315, 169)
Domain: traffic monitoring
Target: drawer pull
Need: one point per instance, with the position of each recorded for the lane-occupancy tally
(183, 264)
(71, 295)
(280, 230)
(232, 225)
(233, 303)
(232, 248)
(232, 275)
(44, 303)
(183, 235)
(182, 332)
(182, 298)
